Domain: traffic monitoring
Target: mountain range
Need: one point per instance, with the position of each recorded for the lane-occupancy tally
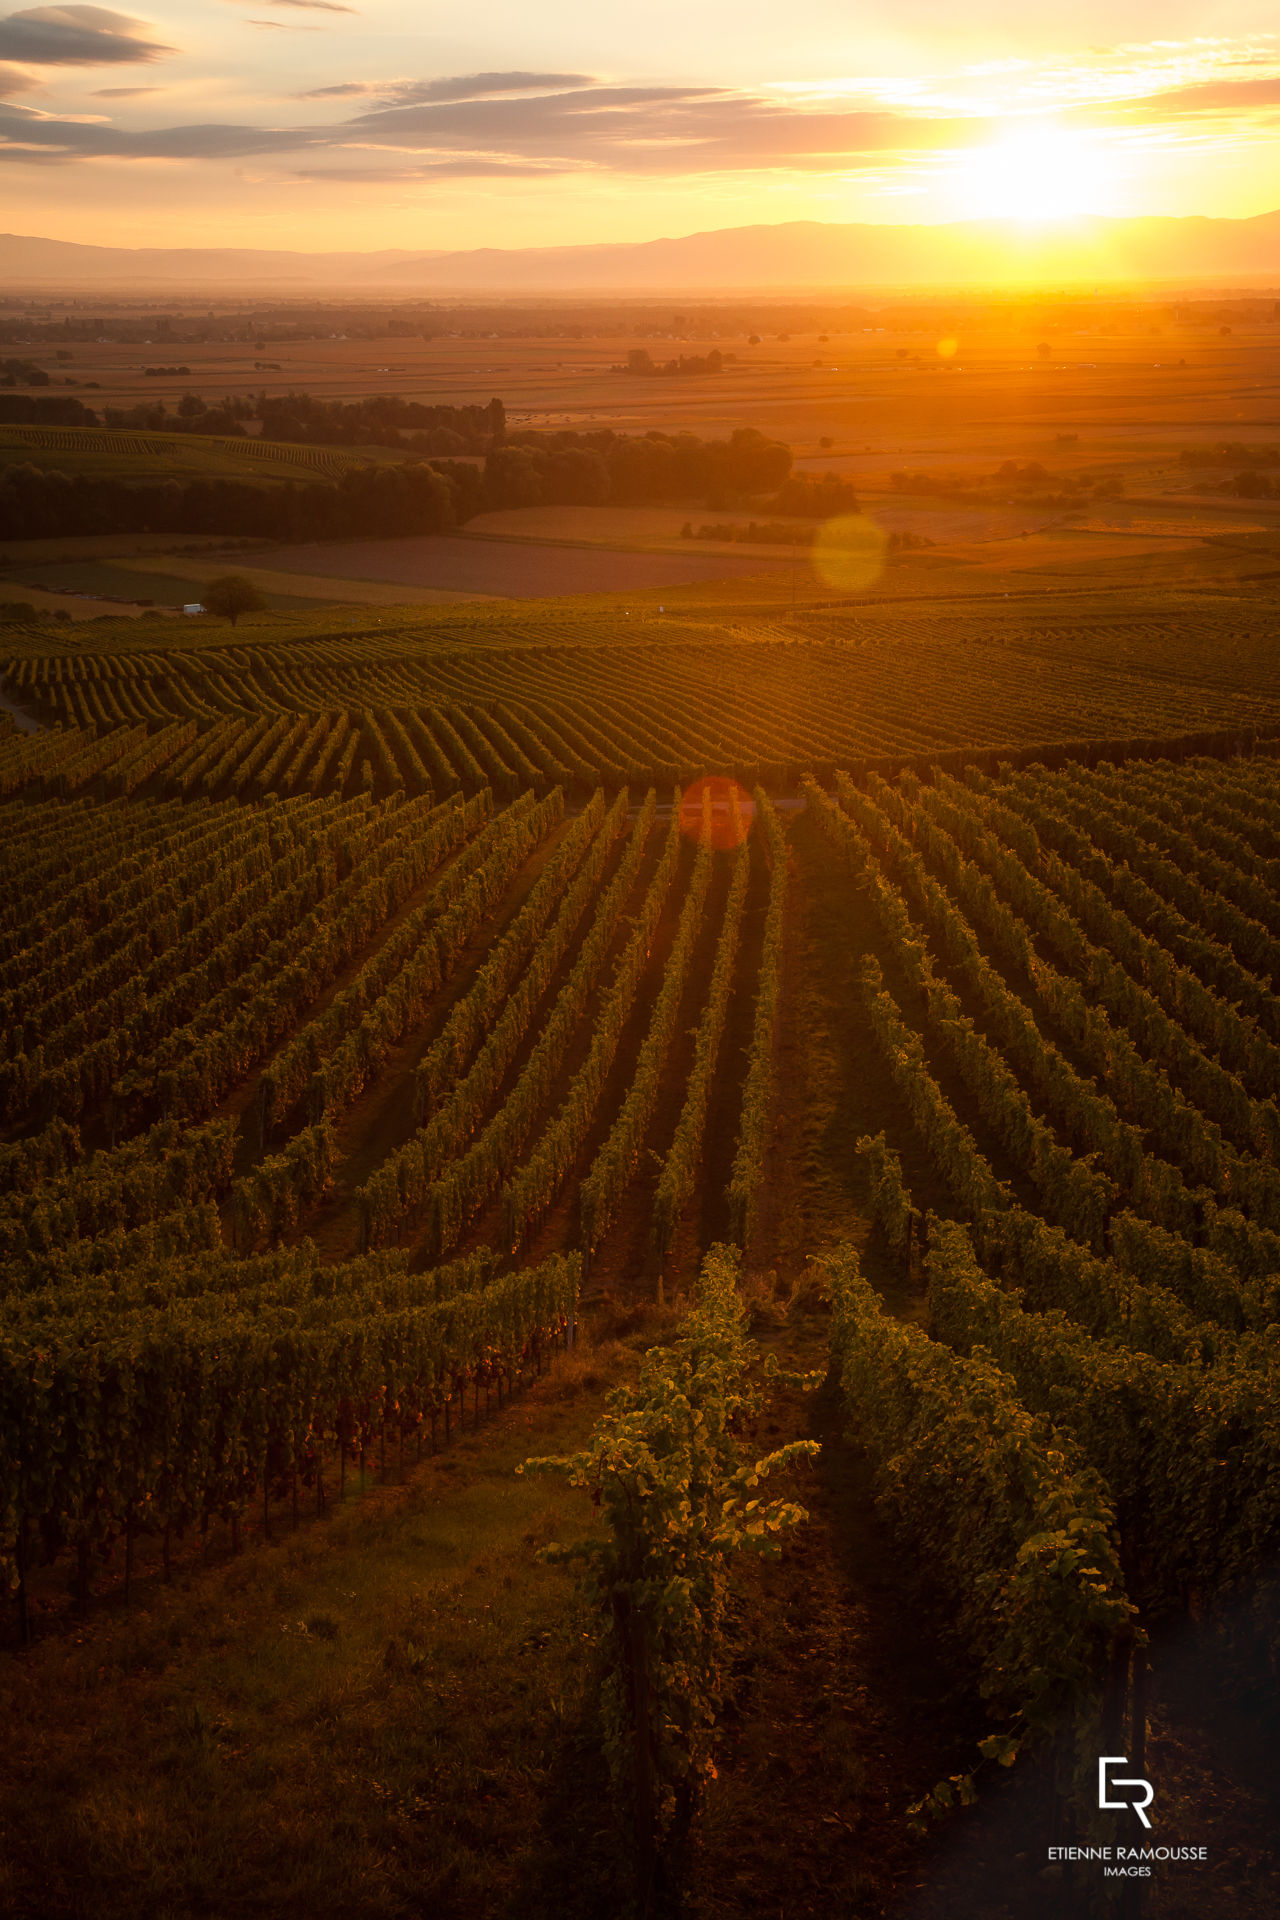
(794, 256)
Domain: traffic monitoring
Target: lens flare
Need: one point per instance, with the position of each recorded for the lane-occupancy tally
(849, 552)
(948, 348)
(726, 805)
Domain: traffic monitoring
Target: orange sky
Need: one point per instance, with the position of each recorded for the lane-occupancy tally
(320, 124)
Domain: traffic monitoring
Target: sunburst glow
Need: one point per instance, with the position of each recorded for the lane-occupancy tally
(1033, 174)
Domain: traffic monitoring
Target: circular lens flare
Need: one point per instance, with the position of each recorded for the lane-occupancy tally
(719, 806)
(849, 552)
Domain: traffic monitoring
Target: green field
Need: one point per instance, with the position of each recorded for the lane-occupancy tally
(110, 454)
(117, 580)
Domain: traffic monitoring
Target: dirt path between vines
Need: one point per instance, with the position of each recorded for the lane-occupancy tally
(24, 721)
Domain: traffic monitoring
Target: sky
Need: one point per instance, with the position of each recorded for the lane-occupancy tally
(327, 124)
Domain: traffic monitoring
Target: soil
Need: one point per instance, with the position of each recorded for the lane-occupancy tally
(24, 721)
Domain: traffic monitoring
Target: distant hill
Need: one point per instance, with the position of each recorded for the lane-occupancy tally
(812, 254)
(29, 262)
(794, 255)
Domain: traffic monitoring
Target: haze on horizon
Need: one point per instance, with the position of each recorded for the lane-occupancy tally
(322, 124)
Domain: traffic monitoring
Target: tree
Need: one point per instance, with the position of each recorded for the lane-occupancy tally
(231, 595)
(1251, 486)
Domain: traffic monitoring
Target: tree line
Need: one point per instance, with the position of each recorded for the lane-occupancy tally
(36, 503)
(380, 420)
(415, 497)
(603, 468)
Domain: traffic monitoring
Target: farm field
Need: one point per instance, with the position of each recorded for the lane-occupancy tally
(1120, 400)
(173, 582)
(504, 568)
(561, 958)
(544, 553)
(460, 698)
(349, 1107)
(959, 525)
(107, 453)
(166, 583)
(880, 387)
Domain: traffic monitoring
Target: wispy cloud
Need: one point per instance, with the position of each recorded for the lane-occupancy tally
(480, 86)
(76, 36)
(13, 80)
(469, 167)
(640, 129)
(1225, 95)
(26, 134)
(522, 123)
(669, 130)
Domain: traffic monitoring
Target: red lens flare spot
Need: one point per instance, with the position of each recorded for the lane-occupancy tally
(730, 806)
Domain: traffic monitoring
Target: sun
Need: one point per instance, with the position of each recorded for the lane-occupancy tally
(1033, 174)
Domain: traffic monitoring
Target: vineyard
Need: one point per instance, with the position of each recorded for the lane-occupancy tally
(380, 712)
(224, 1007)
(382, 1006)
(1068, 978)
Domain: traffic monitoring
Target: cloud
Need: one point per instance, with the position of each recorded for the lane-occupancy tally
(1216, 96)
(479, 86)
(667, 130)
(75, 36)
(468, 168)
(470, 86)
(522, 124)
(318, 6)
(25, 135)
(123, 93)
(13, 80)
(648, 129)
(664, 130)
